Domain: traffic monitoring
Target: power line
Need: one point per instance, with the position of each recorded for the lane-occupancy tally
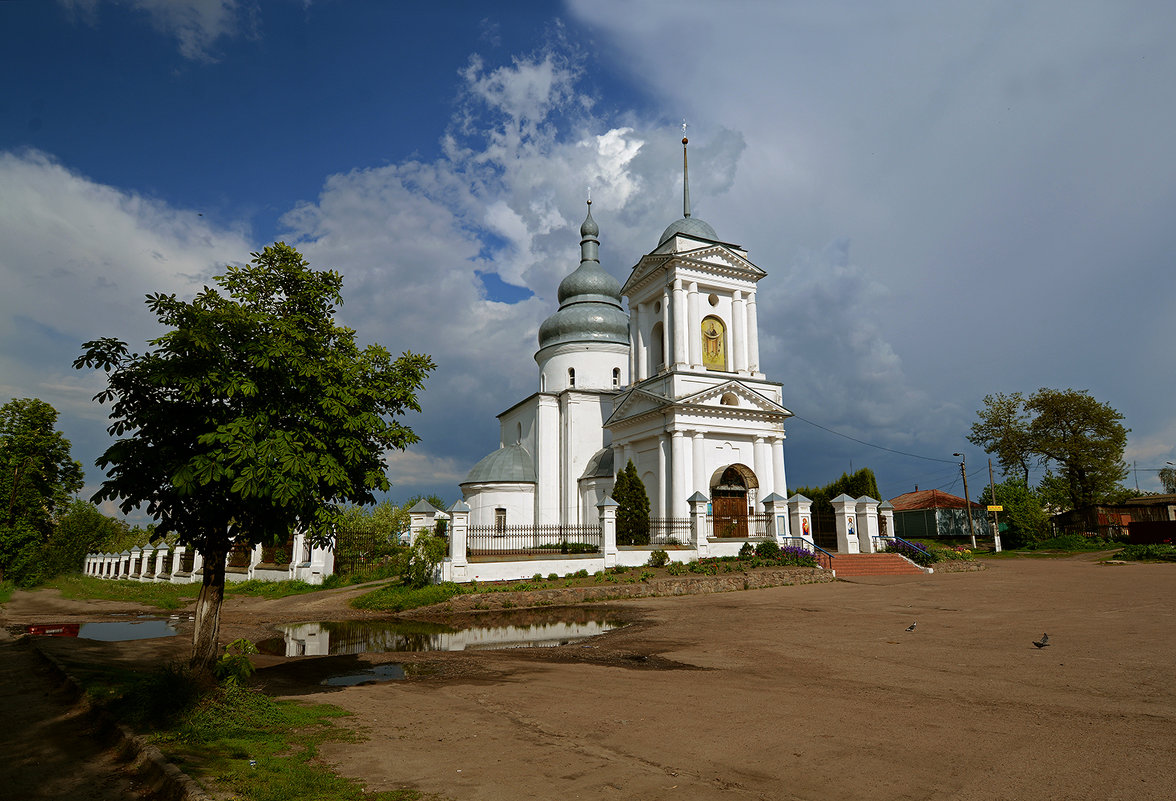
(872, 445)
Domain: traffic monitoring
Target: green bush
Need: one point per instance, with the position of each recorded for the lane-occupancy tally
(768, 549)
(658, 558)
(746, 551)
(1165, 551)
(676, 569)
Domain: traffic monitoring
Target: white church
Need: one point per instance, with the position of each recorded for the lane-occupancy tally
(673, 385)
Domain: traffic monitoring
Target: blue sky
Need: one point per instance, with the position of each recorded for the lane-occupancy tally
(950, 199)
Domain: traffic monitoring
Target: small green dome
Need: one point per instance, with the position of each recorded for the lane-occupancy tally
(509, 465)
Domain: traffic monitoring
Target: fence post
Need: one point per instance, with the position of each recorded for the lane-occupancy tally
(800, 516)
(698, 503)
(774, 507)
(459, 525)
(867, 512)
(421, 515)
(607, 508)
(845, 509)
(886, 520)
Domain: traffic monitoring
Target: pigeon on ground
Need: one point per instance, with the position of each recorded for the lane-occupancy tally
(911, 627)
(1044, 641)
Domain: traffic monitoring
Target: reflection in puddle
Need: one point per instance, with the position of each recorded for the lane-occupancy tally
(388, 672)
(357, 637)
(119, 631)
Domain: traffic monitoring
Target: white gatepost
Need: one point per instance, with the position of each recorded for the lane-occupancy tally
(607, 511)
(421, 515)
(698, 503)
(147, 563)
(776, 509)
(800, 515)
(867, 512)
(886, 519)
(135, 567)
(162, 564)
(459, 525)
(845, 511)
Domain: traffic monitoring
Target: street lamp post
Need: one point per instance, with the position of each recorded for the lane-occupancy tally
(967, 500)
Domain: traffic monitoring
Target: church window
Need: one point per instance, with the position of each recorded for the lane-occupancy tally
(657, 347)
(712, 299)
(500, 520)
(714, 343)
(571, 376)
(616, 377)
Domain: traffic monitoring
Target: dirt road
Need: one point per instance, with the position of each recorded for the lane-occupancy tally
(806, 692)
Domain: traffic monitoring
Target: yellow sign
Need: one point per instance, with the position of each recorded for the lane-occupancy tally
(996, 508)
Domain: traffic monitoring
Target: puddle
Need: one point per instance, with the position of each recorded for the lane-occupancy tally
(388, 672)
(119, 631)
(358, 637)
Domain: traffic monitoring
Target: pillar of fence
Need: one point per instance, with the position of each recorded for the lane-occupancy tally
(886, 519)
(698, 503)
(867, 514)
(135, 566)
(607, 509)
(777, 511)
(845, 512)
(800, 518)
(422, 515)
(459, 526)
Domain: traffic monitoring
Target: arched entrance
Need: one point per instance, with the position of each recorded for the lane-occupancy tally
(730, 491)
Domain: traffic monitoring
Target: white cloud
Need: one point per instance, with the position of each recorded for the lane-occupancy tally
(196, 25)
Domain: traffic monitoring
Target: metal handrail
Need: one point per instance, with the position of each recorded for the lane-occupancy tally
(899, 541)
(823, 557)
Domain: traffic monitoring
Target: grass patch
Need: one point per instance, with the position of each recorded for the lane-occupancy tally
(269, 589)
(1159, 552)
(233, 739)
(397, 597)
(160, 595)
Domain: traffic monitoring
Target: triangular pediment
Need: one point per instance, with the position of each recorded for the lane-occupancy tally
(721, 395)
(707, 258)
(635, 403)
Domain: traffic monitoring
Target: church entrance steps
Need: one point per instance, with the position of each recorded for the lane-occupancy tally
(873, 564)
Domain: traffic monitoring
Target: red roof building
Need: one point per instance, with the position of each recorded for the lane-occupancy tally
(932, 513)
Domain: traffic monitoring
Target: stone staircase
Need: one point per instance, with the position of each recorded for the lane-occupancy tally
(873, 564)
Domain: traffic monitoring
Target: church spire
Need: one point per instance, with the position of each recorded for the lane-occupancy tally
(685, 175)
(589, 231)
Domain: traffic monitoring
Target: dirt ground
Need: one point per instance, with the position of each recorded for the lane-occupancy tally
(800, 692)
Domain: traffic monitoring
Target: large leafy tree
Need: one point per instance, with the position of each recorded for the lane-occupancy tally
(1024, 516)
(37, 478)
(1168, 478)
(1079, 439)
(253, 415)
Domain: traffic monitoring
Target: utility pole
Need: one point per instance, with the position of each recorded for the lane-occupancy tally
(995, 514)
(967, 500)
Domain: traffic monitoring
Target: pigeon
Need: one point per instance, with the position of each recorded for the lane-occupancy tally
(911, 627)
(1044, 641)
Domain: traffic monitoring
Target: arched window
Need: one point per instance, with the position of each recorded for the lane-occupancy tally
(714, 343)
(616, 377)
(571, 376)
(657, 348)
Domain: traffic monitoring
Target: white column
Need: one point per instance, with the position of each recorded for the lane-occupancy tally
(547, 461)
(752, 334)
(608, 529)
(681, 467)
(700, 477)
(459, 521)
(779, 481)
(762, 465)
(739, 337)
(679, 317)
(636, 343)
(667, 331)
(693, 327)
(663, 444)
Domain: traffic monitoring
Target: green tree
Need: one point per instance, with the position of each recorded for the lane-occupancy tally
(632, 507)
(254, 414)
(1003, 431)
(37, 478)
(1063, 429)
(1168, 478)
(1024, 516)
(81, 529)
(862, 482)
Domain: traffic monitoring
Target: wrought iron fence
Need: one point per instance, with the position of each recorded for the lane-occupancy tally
(359, 548)
(670, 531)
(493, 540)
(752, 527)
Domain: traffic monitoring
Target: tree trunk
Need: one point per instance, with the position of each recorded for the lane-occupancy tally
(212, 592)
